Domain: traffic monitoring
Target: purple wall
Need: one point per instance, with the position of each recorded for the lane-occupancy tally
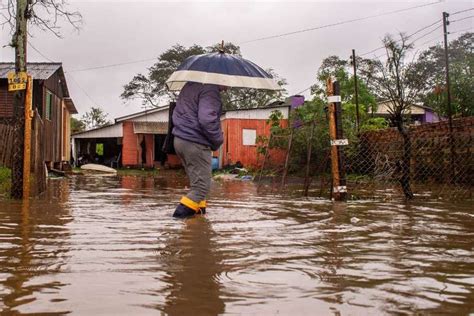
(296, 101)
(431, 117)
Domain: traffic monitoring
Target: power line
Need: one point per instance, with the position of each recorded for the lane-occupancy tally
(339, 23)
(112, 65)
(304, 90)
(430, 32)
(83, 90)
(414, 33)
(457, 12)
(40, 53)
(468, 17)
(274, 36)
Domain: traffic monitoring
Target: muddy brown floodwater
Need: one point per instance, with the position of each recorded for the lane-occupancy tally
(109, 246)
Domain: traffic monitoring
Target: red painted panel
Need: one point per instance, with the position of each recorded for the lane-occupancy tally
(130, 146)
(233, 147)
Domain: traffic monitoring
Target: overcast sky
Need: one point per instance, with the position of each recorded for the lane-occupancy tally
(115, 32)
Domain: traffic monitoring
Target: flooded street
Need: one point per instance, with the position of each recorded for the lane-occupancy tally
(109, 246)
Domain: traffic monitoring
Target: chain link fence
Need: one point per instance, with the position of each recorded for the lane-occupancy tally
(440, 162)
(432, 161)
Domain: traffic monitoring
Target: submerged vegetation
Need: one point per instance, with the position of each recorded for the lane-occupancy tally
(5, 180)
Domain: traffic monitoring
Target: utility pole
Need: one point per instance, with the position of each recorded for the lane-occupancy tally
(356, 90)
(448, 92)
(338, 188)
(19, 42)
(446, 58)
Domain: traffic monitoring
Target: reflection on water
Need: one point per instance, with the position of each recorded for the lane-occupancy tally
(108, 245)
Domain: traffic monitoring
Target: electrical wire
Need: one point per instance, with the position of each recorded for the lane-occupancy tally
(112, 65)
(458, 12)
(273, 36)
(40, 53)
(408, 36)
(339, 23)
(83, 90)
(468, 17)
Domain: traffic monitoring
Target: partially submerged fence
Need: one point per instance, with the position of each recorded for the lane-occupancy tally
(7, 150)
(6, 143)
(440, 163)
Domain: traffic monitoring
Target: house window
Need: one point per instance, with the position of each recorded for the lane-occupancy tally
(249, 137)
(49, 105)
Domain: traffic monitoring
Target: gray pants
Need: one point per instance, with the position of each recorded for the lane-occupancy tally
(196, 159)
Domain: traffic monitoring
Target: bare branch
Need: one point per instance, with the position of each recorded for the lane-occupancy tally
(44, 14)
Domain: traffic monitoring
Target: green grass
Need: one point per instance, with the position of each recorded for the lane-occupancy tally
(5, 180)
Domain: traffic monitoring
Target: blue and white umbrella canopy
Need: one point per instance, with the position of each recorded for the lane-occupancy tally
(221, 69)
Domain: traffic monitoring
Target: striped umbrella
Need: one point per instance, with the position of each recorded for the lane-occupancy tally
(221, 69)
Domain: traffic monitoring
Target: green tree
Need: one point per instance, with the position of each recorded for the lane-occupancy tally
(396, 81)
(430, 67)
(333, 66)
(77, 125)
(151, 88)
(95, 118)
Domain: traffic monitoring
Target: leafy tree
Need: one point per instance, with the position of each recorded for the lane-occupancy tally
(151, 88)
(430, 67)
(77, 125)
(396, 81)
(338, 68)
(95, 118)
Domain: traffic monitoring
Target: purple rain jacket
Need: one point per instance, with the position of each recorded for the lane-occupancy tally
(196, 117)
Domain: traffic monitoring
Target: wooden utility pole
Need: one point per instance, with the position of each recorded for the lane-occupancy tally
(27, 135)
(19, 42)
(356, 90)
(339, 188)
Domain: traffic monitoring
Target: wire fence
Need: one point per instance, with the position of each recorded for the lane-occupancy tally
(432, 161)
(439, 162)
(12, 148)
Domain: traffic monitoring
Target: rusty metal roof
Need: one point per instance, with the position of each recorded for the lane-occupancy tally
(41, 71)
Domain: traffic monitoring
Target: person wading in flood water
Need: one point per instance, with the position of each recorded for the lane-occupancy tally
(197, 132)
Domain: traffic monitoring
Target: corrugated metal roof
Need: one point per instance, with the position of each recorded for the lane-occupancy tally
(150, 128)
(108, 131)
(142, 113)
(41, 71)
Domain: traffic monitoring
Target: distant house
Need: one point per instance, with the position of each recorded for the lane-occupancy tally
(51, 101)
(135, 140)
(418, 114)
